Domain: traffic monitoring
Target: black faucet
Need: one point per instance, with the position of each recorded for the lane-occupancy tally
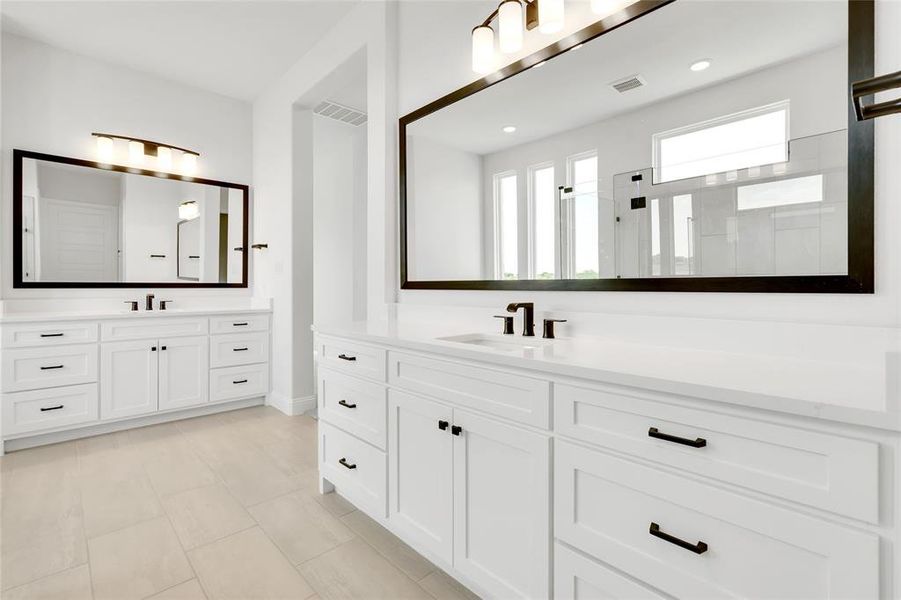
(148, 304)
(528, 316)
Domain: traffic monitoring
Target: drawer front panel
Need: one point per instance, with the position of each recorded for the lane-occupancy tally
(230, 383)
(512, 396)
(155, 327)
(18, 335)
(606, 506)
(239, 349)
(822, 470)
(38, 410)
(351, 357)
(355, 405)
(577, 577)
(357, 470)
(34, 368)
(239, 323)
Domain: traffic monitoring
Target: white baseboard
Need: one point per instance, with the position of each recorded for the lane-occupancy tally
(291, 406)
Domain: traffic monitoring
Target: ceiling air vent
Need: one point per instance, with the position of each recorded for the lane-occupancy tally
(339, 112)
(628, 83)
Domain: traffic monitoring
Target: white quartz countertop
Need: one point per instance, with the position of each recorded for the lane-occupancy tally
(853, 381)
(28, 317)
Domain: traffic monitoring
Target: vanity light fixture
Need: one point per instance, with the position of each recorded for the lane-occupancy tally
(700, 65)
(139, 150)
(509, 129)
(188, 210)
(513, 18)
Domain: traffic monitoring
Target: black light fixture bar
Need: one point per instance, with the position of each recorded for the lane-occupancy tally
(150, 147)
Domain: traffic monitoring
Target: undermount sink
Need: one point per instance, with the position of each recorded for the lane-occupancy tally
(506, 343)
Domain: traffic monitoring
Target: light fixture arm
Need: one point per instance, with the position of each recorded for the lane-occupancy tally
(531, 15)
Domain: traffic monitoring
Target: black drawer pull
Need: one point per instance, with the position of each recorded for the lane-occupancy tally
(52, 408)
(346, 357)
(442, 425)
(239, 349)
(162, 347)
(51, 367)
(240, 381)
(698, 443)
(153, 348)
(157, 256)
(456, 429)
(343, 462)
(52, 334)
(345, 404)
(238, 324)
(699, 548)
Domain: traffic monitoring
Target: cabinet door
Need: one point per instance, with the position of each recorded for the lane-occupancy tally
(128, 378)
(420, 472)
(184, 372)
(502, 507)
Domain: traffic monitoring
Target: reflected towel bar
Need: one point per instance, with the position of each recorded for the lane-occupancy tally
(867, 87)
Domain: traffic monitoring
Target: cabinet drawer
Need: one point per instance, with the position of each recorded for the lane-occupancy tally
(37, 410)
(356, 405)
(239, 382)
(633, 518)
(239, 323)
(351, 357)
(515, 397)
(822, 470)
(152, 327)
(239, 349)
(17, 335)
(358, 471)
(577, 577)
(33, 368)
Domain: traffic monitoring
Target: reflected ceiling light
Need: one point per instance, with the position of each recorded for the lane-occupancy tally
(576, 47)
(539, 65)
(700, 65)
(509, 129)
(514, 17)
(509, 26)
(139, 149)
(188, 210)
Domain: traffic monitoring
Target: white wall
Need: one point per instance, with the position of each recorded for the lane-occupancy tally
(53, 100)
(434, 60)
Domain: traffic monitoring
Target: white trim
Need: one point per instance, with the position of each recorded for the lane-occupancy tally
(291, 406)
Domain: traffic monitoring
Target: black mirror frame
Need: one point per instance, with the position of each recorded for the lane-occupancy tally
(20, 155)
(861, 150)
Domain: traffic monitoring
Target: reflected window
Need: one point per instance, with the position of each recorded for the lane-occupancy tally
(737, 141)
(583, 227)
(784, 192)
(544, 223)
(655, 236)
(506, 223)
(682, 235)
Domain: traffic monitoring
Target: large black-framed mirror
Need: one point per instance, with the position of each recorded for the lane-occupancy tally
(83, 224)
(616, 160)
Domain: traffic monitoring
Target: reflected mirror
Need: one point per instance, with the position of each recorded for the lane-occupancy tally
(83, 225)
(701, 146)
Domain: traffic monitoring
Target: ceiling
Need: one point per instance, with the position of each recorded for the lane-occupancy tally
(233, 48)
(573, 89)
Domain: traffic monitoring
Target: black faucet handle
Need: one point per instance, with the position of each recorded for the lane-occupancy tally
(165, 303)
(508, 323)
(515, 306)
(134, 304)
(549, 327)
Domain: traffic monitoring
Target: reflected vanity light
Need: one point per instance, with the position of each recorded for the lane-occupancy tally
(135, 153)
(700, 65)
(509, 26)
(779, 169)
(711, 179)
(164, 158)
(509, 129)
(105, 147)
(731, 175)
(753, 172)
(139, 150)
(188, 210)
(189, 163)
(483, 49)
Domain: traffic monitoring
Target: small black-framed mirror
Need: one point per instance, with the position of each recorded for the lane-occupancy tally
(83, 224)
(604, 162)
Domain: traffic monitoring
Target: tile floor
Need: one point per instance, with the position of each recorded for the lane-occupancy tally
(224, 506)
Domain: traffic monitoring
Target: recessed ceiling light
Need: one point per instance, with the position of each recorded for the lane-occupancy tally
(541, 64)
(577, 46)
(700, 65)
(509, 129)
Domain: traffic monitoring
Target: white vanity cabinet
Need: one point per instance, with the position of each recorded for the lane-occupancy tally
(527, 483)
(64, 379)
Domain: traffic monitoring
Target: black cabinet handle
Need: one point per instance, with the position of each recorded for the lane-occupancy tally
(51, 367)
(153, 348)
(52, 334)
(193, 256)
(346, 357)
(456, 429)
(238, 324)
(343, 462)
(699, 548)
(345, 404)
(240, 381)
(162, 348)
(239, 349)
(52, 408)
(157, 256)
(442, 425)
(697, 443)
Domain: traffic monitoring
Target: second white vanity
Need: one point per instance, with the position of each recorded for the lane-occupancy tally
(532, 468)
(66, 376)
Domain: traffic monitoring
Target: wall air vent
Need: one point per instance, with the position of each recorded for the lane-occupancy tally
(628, 83)
(339, 112)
